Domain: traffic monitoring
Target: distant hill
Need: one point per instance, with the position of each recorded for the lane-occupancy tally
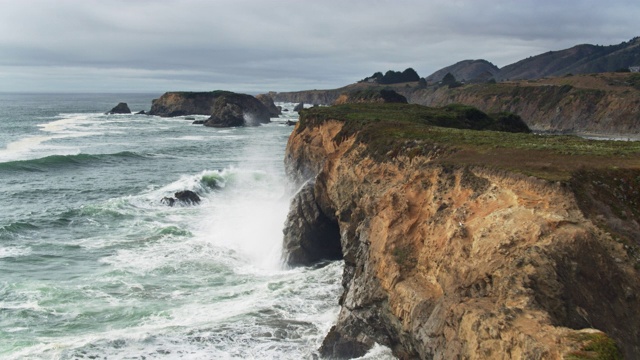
(466, 70)
(580, 59)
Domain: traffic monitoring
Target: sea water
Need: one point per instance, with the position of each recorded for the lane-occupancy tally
(94, 266)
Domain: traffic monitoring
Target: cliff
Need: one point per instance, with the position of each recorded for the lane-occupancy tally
(226, 108)
(604, 104)
(181, 103)
(596, 104)
(474, 244)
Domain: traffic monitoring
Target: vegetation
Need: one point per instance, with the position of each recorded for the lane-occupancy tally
(597, 346)
(394, 77)
(470, 137)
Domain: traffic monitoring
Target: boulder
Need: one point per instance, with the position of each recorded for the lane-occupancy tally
(299, 107)
(198, 122)
(141, 113)
(121, 108)
(187, 197)
(233, 109)
(267, 101)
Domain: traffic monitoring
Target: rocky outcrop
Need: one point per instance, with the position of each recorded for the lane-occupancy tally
(267, 101)
(121, 108)
(449, 257)
(370, 96)
(309, 235)
(231, 109)
(186, 197)
(548, 106)
(182, 103)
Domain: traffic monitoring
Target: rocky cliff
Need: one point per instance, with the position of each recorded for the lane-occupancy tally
(474, 244)
(180, 103)
(591, 104)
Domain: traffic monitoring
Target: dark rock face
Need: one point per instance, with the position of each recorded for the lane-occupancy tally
(267, 101)
(233, 109)
(121, 108)
(299, 107)
(186, 197)
(309, 235)
(182, 103)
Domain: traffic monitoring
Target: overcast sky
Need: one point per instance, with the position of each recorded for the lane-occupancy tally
(260, 45)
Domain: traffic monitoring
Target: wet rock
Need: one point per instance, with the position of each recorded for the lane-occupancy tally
(187, 197)
(198, 122)
(299, 107)
(233, 109)
(141, 113)
(309, 235)
(121, 108)
(267, 101)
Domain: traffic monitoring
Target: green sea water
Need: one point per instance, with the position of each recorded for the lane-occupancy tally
(93, 265)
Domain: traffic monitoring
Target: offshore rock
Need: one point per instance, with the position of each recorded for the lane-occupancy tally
(121, 108)
(298, 107)
(450, 261)
(186, 197)
(267, 101)
(309, 235)
(231, 109)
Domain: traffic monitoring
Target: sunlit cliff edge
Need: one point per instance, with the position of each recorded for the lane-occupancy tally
(473, 244)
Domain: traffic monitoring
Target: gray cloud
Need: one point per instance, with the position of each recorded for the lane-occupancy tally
(256, 45)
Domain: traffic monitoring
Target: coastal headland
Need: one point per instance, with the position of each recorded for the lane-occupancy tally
(466, 236)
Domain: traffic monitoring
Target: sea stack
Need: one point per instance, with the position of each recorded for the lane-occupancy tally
(121, 108)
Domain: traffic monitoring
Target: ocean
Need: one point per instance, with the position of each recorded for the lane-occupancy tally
(94, 266)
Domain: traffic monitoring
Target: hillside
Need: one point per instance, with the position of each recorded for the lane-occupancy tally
(580, 59)
(466, 70)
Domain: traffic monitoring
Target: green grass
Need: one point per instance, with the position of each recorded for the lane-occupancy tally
(596, 346)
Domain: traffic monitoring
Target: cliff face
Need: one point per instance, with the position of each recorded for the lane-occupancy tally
(184, 103)
(445, 260)
(552, 107)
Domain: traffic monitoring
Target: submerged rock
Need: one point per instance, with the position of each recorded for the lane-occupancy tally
(121, 108)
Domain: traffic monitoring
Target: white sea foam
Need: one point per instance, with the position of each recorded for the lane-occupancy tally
(14, 251)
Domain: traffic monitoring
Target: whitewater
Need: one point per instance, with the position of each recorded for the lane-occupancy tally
(94, 266)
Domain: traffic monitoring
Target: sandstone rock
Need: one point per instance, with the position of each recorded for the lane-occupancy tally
(446, 262)
(121, 108)
(232, 109)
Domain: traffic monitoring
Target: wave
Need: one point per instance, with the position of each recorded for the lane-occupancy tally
(55, 162)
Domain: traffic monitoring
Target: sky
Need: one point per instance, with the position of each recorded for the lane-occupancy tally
(255, 46)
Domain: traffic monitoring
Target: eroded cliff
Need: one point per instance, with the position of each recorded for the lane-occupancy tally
(452, 250)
